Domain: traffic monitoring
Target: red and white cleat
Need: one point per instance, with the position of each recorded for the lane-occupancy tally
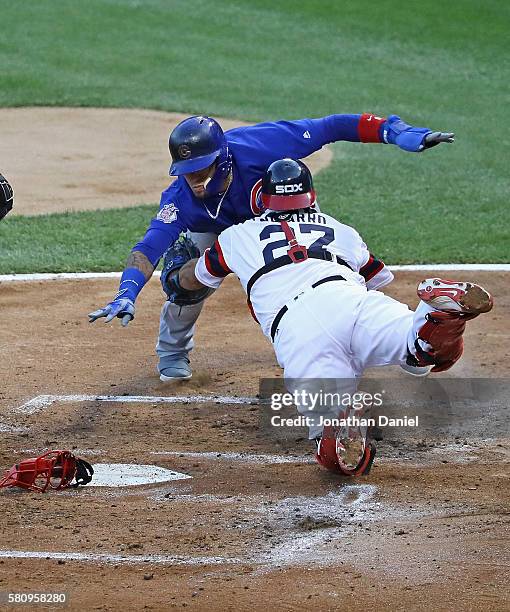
(455, 296)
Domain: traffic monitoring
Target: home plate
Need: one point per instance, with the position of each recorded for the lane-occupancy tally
(128, 475)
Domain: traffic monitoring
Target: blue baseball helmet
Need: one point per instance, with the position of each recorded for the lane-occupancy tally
(196, 143)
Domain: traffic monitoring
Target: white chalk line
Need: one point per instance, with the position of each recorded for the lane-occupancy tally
(474, 267)
(76, 451)
(6, 278)
(41, 402)
(297, 549)
(114, 558)
(262, 459)
(6, 428)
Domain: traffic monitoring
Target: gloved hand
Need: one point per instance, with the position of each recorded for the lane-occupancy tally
(182, 251)
(434, 138)
(120, 307)
(413, 139)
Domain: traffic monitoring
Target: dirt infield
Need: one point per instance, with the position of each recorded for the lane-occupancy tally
(67, 159)
(259, 526)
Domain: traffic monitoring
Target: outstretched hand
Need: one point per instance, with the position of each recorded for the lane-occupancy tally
(123, 308)
(435, 138)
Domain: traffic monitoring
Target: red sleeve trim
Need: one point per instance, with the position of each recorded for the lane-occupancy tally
(221, 259)
(369, 127)
(215, 262)
(252, 312)
(208, 263)
(371, 268)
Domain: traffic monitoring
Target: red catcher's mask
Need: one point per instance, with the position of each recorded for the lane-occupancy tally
(55, 469)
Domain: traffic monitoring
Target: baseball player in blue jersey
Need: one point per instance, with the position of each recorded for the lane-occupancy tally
(219, 179)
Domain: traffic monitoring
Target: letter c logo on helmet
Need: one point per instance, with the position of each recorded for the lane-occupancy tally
(184, 151)
(196, 143)
(287, 185)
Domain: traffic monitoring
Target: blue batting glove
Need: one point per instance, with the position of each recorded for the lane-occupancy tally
(120, 307)
(410, 138)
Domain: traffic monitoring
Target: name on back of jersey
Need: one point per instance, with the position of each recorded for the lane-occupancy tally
(299, 218)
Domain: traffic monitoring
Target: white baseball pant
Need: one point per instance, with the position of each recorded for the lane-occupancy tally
(337, 330)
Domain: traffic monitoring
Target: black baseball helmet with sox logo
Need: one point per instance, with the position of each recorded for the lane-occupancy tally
(287, 185)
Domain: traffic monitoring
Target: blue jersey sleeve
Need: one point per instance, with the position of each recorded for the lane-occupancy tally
(164, 228)
(311, 134)
(297, 139)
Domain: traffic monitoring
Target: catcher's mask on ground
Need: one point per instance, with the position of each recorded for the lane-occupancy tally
(287, 185)
(54, 469)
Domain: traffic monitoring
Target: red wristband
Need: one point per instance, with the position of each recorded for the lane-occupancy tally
(368, 127)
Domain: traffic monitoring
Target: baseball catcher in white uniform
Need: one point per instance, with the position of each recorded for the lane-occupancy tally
(312, 285)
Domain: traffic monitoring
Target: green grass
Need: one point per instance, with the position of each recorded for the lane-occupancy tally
(444, 66)
(72, 242)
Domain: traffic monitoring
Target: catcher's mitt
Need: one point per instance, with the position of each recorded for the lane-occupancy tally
(182, 251)
(6, 196)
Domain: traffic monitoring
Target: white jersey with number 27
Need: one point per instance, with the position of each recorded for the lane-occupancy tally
(246, 248)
